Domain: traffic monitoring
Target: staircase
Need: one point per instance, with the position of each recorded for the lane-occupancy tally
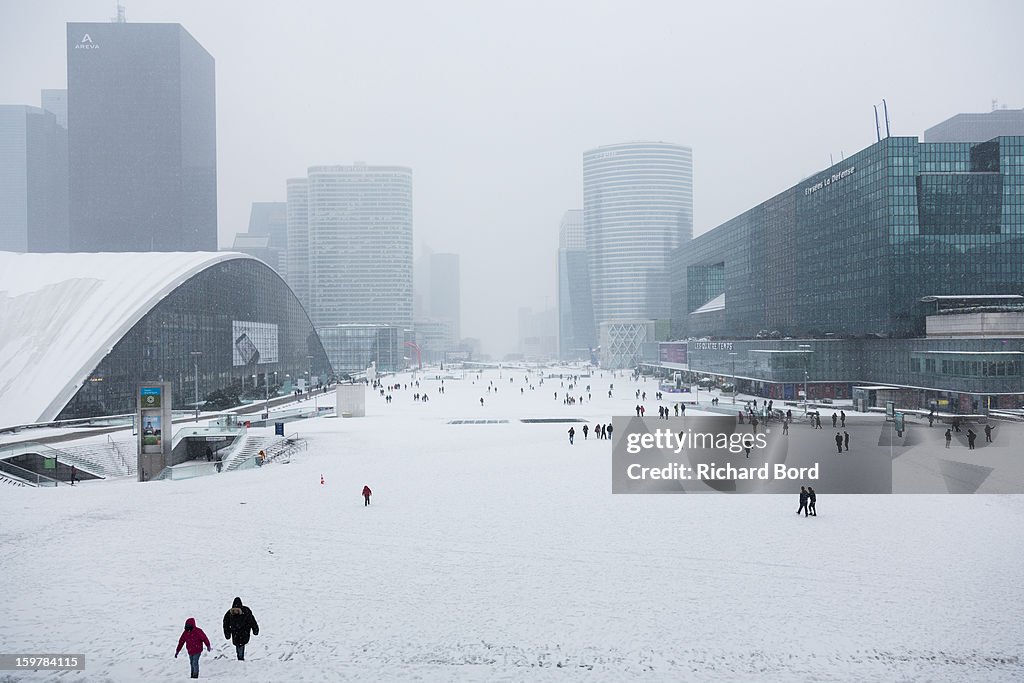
(244, 451)
(12, 481)
(106, 459)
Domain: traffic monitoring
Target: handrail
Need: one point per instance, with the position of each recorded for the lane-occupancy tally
(28, 476)
(22, 447)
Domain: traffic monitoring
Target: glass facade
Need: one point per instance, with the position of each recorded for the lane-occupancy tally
(352, 348)
(975, 372)
(351, 260)
(851, 250)
(577, 334)
(637, 208)
(842, 261)
(205, 314)
(34, 171)
(142, 143)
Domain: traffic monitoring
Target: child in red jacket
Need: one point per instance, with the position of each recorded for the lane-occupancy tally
(193, 639)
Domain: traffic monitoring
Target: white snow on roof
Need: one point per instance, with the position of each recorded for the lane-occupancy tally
(60, 314)
(716, 304)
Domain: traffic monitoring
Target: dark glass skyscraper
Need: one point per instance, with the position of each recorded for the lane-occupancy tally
(141, 138)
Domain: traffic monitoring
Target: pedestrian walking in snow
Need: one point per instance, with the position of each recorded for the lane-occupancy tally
(572, 433)
(220, 462)
(835, 419)
(238, 624)
(785, 427)
(608, 431)
(988, 433)
(193, 639)
(812, 501)
(971, 436)
(366, 495)
(74, 475)
(817, 421)
(839, 442)
(481, 401)
(842, 418)
(846, 440)
(803, 501)
(949, 437)
(585, 430)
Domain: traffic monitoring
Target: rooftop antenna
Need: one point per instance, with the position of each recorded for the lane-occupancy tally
(878, 131)
(995, 104)
(885, 109)
(120, 15)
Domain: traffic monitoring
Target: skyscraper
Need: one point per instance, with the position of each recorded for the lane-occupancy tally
(356, 262)
(142, 139)
(33, 181)
(444, 291)
(576, 329)
(637, 208)
(297, 228)
(56, 102)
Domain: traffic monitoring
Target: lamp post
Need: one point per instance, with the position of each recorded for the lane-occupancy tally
(806, 361)
(732, 355)
(195, 363)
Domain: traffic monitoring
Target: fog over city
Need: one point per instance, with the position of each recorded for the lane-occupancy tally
(492, 104)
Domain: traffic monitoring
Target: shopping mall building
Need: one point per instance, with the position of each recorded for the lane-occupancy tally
(896, 274)
(81, 331)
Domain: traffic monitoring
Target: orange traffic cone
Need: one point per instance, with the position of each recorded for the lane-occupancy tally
(321, 480)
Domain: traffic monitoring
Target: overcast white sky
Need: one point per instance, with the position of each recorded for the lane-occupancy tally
(493, 103)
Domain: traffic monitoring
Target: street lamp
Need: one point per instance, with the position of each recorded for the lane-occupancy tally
(806, 362)
(195, 361)
(734, 387)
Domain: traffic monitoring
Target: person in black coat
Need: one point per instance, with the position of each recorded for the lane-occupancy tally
(238, 622)
(803, 501)
(812, 500)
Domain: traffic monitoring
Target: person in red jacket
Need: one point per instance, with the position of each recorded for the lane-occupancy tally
(366, 495)
(193, 639)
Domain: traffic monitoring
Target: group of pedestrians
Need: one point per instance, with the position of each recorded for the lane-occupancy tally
(972, 436)
(808, 501)
(239, 624)
(600, 431)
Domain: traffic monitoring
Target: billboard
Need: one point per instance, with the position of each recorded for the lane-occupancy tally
(253, 343)
(152, 433)
(672, 352)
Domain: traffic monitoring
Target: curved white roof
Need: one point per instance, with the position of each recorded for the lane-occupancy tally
(60, 314)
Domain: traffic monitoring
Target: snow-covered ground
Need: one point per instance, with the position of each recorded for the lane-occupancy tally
(497, 552)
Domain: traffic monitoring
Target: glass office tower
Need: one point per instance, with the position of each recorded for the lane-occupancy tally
(852, 250)
(142, 141)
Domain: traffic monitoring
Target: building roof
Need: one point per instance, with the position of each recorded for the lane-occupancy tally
(716, 304)
(63, 313)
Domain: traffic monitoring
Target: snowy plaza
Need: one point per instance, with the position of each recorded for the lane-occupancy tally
(494, 550)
